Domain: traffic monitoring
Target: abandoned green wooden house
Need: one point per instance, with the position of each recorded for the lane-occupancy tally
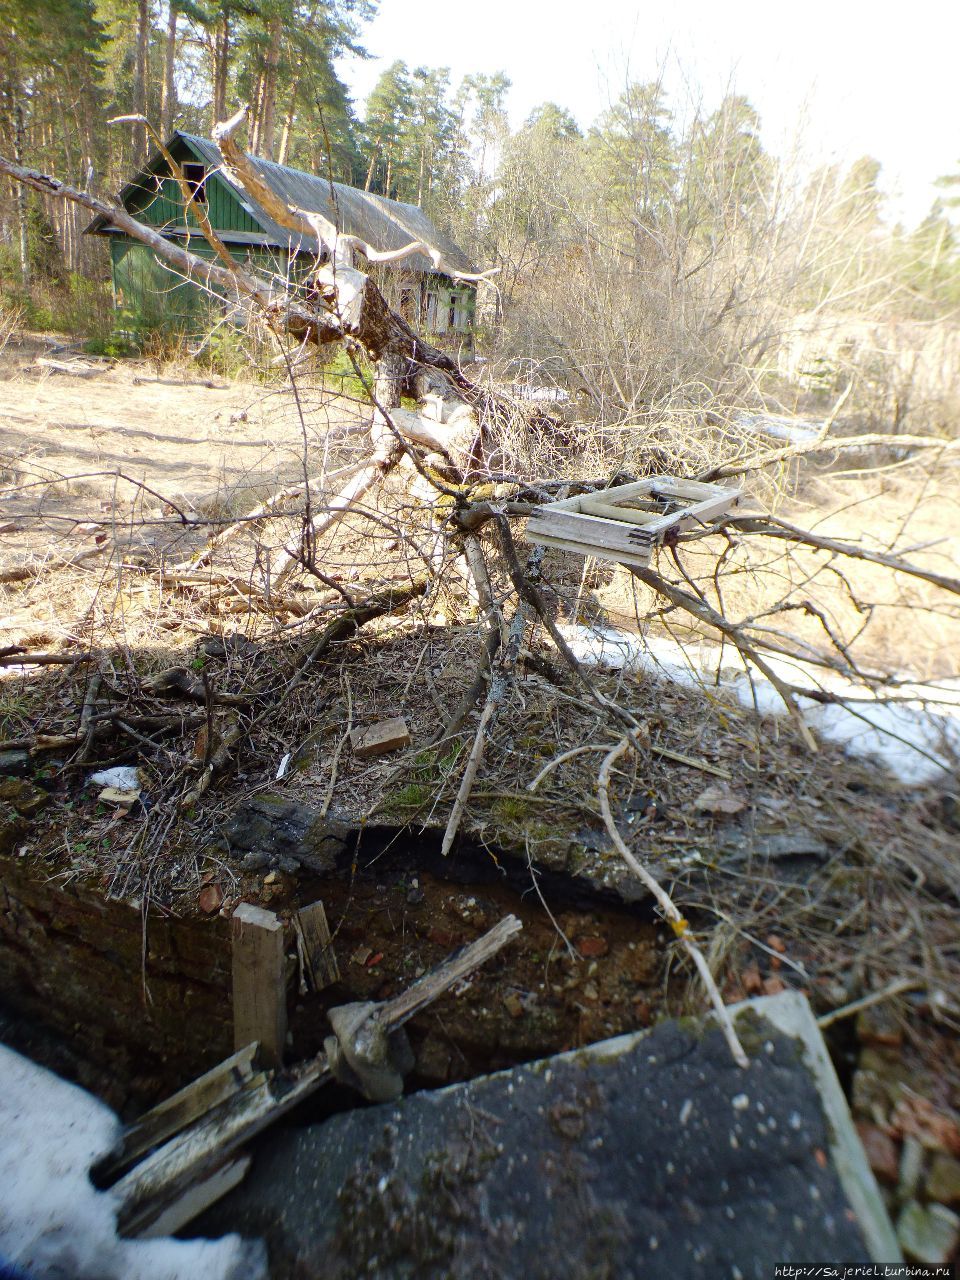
(151, 295)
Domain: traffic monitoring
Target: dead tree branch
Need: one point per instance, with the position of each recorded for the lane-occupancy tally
(773, 527)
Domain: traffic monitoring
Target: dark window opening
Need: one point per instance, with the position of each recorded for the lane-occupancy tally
(195, 175)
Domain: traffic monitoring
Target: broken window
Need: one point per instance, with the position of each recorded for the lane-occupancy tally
(195, 176)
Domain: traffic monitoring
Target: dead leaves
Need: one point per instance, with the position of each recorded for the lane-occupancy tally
(719, 801)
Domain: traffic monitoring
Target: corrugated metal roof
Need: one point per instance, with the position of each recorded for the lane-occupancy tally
(384, 224)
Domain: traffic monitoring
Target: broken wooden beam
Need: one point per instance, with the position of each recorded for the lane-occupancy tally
(387, 735)
(201, 1195)
(165, 1177)
(197, 1164)
(369, 1050)
(259, 982)
(218, 1085)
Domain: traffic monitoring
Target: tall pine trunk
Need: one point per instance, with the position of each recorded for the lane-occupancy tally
(221, 68)
(373, 163)
(288, 120)
(168, 99)
(21, 192)
(141, 66)
(256, 115)
(271, 63)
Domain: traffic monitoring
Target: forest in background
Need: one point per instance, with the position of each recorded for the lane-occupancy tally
(656, 261)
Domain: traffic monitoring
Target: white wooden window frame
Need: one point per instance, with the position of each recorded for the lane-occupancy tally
(603, 524)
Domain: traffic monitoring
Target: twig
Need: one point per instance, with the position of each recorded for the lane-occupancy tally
(840, 444)
(34, 568)
(704, 613)
(895, 988)
(344, 739)
(44, 659)
(86, 715)
(562, 759)
(495, 699)
(771, 527)
(385, 456)
(677, 922)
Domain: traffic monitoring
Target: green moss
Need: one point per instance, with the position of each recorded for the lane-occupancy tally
(412, 796)
(511, 809)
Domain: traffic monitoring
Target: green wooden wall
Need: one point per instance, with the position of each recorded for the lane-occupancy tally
(148, 295)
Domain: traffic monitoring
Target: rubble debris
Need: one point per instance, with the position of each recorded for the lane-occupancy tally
(254, 861)
(943, 1180)
(13, 827)
(377, 739)
(210, 898)
(27, 799)
(123, 799)
(123, 778)
(881, 1152)
(15, 762)
(719, 799)
(273, 827)
(928, 1233)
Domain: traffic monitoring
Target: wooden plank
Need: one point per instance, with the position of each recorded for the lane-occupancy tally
(695, 489)
(259, 982)
(388, 735)
(159, 1124)
(198, 1197)
(614, 556)
(194, 1155)
(592, 530)
(314, 944)
(622, 514)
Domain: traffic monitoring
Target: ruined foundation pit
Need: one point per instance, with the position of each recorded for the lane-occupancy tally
(134, 1005)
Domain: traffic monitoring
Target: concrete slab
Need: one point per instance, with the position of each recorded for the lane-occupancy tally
(647, 1155)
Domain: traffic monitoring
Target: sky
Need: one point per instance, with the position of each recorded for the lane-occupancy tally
(846, 78)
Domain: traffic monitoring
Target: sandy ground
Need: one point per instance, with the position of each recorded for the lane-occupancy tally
(76, 449)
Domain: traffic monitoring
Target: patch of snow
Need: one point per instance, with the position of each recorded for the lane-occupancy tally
(779, 426)
(123, 778)
(907, 736)
(53, 1223)
(528, 391)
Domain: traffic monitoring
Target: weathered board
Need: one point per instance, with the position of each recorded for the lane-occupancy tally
(318, 962)
(259, 982)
